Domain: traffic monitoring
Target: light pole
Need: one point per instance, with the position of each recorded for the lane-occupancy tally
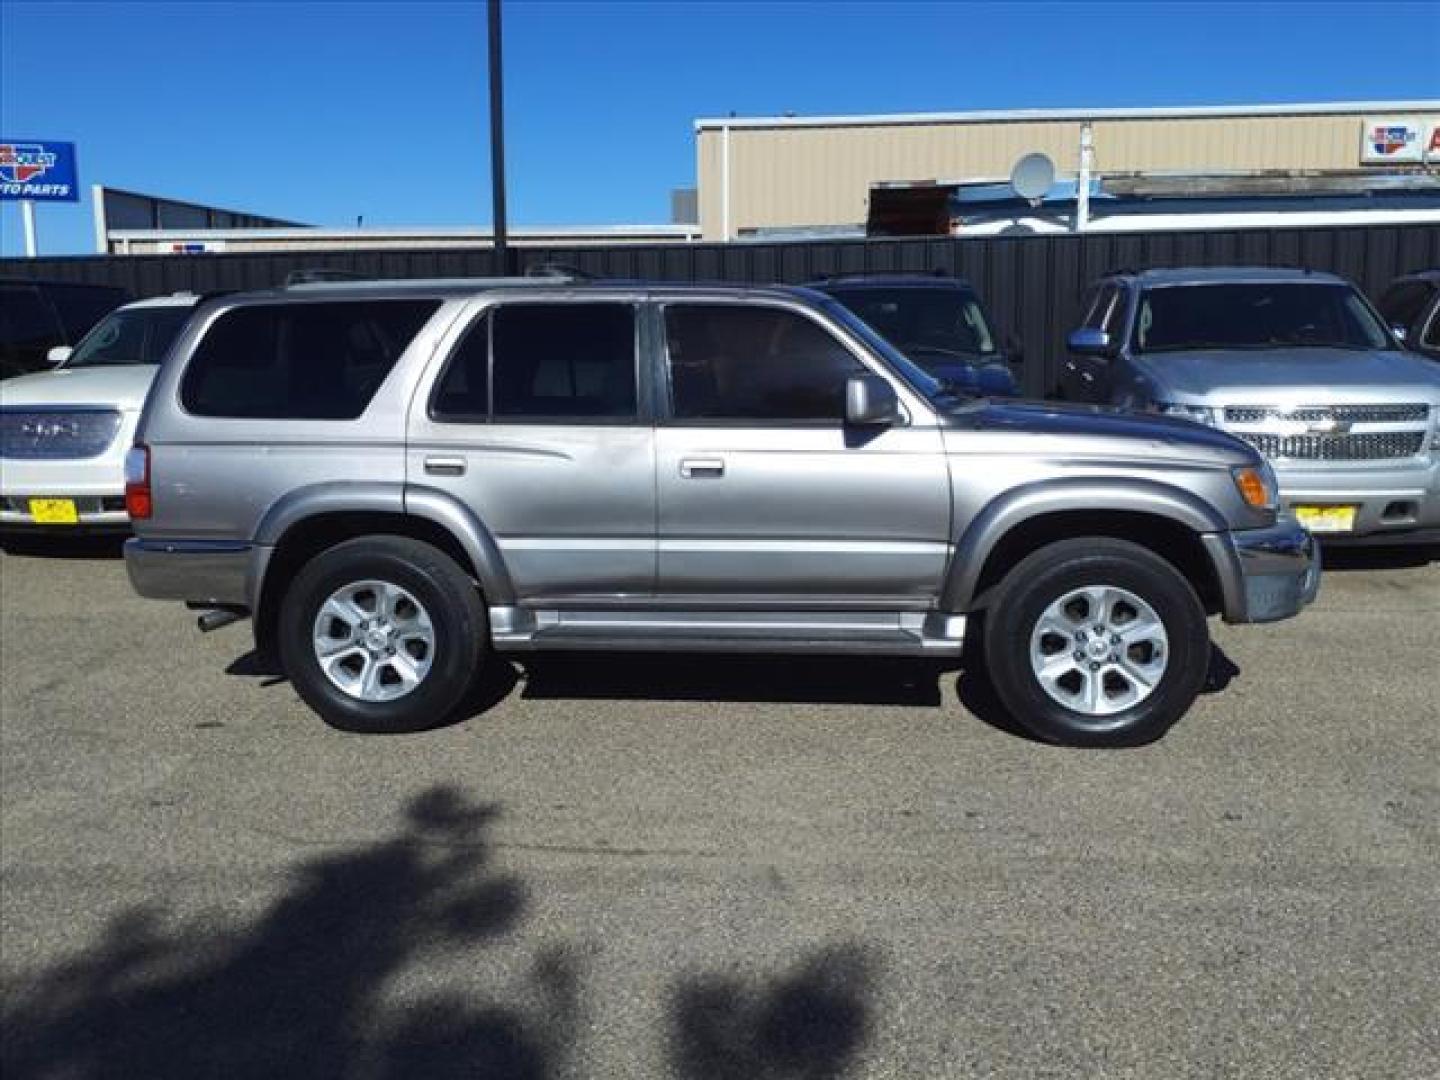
(497, 142)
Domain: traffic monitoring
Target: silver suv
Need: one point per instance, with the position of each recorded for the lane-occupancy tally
(396, 479)
(1297, 364)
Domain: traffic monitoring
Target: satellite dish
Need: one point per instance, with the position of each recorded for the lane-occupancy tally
(1032, 176)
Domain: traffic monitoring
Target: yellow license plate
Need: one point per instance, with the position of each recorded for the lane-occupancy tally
(1326, 519)
(54, 512)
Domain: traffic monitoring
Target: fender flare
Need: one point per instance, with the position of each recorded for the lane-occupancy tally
(1042, 497)
(385, 497)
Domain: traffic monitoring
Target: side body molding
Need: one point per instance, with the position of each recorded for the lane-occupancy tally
(1092, 495)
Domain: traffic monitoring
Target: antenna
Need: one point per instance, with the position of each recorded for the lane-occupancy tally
(1032, 177)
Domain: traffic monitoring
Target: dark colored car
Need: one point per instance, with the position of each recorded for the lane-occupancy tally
(937, 322)
(1411, 306)
(35, 316)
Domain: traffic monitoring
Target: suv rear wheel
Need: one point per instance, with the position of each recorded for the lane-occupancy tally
(382, 634)
(1096, 642)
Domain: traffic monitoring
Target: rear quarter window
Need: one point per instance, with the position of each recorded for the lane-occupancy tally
(299, 361)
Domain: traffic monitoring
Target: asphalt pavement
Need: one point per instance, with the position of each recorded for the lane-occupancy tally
(713, 868)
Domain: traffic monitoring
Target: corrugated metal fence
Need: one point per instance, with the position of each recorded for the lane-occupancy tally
(1032, 284)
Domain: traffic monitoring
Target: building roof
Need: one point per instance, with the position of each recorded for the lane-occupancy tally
(996, 116)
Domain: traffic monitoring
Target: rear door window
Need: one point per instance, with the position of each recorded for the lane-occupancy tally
(543, 362)
(302, 361)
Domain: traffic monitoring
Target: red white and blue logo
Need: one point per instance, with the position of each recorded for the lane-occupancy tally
(21, 163)
(38, 169)
(1389, 140)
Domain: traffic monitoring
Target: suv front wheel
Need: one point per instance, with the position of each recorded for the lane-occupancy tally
(382, 634)
(1096, 642)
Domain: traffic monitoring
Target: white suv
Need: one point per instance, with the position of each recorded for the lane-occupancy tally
(64, 433)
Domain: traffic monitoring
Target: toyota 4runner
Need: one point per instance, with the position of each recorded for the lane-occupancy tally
(396, 479)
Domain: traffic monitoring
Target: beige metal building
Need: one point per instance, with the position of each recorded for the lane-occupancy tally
(816, 172)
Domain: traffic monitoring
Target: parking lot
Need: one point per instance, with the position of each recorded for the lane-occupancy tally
(713, 868)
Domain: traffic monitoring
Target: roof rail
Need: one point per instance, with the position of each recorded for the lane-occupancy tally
(557, 270)
(320, 274)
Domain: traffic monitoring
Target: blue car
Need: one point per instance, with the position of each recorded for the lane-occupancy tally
(938, 322)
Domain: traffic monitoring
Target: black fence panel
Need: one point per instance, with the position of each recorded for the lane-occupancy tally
(1032, 284)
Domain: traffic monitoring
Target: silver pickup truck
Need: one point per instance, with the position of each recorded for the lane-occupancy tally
(1297, 364)
(395, 479)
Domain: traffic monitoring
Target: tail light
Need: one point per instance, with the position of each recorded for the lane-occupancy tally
(138, 503)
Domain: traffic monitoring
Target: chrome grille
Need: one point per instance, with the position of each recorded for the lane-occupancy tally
(1372, 446)
(1409, 412)
(52, 434)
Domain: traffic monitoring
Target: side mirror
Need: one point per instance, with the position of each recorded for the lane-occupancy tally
(1087, 341)
(870, 401)
(58, 354)
(1400, 333)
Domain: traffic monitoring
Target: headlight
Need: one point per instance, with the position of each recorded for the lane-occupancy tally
(1198, 413)
(1258, 486)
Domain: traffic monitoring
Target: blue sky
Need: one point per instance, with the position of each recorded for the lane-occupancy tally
(322, 111)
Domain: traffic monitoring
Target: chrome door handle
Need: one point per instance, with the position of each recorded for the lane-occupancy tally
(445, 466)
(702, 468)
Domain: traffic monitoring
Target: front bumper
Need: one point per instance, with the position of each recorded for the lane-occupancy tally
(1266, 574)
(218, 572)
(1395, 504)
(96, 485)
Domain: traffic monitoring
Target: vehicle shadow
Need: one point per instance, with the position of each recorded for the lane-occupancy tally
(52, 545)
(818, 680)
(497, 682)
(977, 693)
(1341, 558)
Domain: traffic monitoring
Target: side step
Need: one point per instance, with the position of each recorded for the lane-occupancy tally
(877, 633)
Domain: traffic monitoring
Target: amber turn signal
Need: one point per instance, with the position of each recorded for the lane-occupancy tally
(1255, 487)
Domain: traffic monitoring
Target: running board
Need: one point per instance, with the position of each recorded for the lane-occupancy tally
(878, 633)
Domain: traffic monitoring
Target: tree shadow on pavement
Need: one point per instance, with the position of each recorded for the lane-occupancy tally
(303, 991)
(704, 677)
(811, 1023)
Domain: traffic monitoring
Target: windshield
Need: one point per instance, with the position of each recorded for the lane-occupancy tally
(928, 325)
(134, 336)
(940, 394)
(1257, 315)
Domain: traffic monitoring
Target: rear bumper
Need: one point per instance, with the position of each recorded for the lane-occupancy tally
(1266, 574)
(214, 572)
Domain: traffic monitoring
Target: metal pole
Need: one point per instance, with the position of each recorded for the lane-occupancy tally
(497, 142)
(27, 215)
(1082, 189)
(724, 181)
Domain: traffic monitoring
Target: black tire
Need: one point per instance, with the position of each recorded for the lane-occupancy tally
(442, 588)
(1045, 576)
